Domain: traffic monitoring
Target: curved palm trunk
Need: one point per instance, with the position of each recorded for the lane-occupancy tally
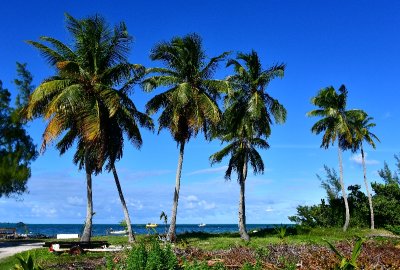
(87, 231)
(242, 206)
(131, 238)
(346, 204)
(172, 227)
(371, 209)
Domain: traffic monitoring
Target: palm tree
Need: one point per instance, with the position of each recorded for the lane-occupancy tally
(81, 100)
(189, 105)
(247, 120)
(336, 125)
(362, 126)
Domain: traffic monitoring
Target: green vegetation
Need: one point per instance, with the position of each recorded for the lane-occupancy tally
(17, 150)
(386, 201)
(149, 253)
(27, 263)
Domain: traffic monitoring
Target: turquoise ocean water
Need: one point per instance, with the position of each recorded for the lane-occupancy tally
(50, 230)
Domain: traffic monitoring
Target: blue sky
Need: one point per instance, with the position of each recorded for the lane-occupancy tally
(323, 43)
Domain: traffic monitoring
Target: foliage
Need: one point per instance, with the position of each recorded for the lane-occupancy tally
(331, 213)
(387, 196)
(17, 150)
(386, 200)
(82, 101)
(393, 229)
(152, 256)
(345, 263)
(122, 223)
(281, 231)
(24, 85)
(189, 105)
(27, 263)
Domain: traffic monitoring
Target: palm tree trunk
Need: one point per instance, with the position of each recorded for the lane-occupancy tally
(371, 209)
(131, 238)
(346, 204)
(172, 227)
(242, 206)
(87, 231)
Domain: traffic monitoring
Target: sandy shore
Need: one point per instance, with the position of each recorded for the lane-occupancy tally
(10, 248)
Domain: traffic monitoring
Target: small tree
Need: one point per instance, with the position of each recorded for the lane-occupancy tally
(17, 150)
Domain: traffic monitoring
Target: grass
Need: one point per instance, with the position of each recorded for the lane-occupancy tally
(207, 241)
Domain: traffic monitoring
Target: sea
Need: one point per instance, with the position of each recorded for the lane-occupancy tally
(51, 230)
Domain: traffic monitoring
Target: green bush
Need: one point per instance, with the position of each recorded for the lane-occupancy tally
(393, 229)
(152, 256)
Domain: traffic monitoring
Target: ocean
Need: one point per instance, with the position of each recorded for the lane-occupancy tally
(51, 230)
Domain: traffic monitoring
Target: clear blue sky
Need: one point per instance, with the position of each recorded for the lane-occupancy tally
(323, 43)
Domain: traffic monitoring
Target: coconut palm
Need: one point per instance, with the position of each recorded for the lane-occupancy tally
(189, 105)
(361, 132)
(247, 121)
(81, 101)
(336, 125)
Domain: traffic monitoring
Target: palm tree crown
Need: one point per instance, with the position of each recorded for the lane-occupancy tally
(247, 121)
(87, 100)
(189, 105)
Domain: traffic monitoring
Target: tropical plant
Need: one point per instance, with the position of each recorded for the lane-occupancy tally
(346, 263)
(81, 102)
(281, 232)
(164, 218)
(361, 132)
(27, 263)
(336, 125)
(247, 121)
(189, 105)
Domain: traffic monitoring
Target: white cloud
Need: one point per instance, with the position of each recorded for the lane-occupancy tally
(135, 204)
(206, 205)
(209, 170)
(40, 211)
(269, 209)
(357, 158)
(192, 198)
(75, 200)
(192, 202)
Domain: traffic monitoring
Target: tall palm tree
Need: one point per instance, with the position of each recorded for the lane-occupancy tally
(247, 121)
(81, 100)
(336, 125)
(189, 105)
(361, 132)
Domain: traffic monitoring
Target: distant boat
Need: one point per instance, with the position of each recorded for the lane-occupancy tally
(202, 225)
(118, 232)
(151, 225)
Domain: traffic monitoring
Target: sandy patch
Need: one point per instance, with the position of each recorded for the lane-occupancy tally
(10, 248)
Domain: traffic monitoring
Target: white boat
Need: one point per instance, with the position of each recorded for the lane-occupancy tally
(202, 225)
(151, 225)
(118, 232)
